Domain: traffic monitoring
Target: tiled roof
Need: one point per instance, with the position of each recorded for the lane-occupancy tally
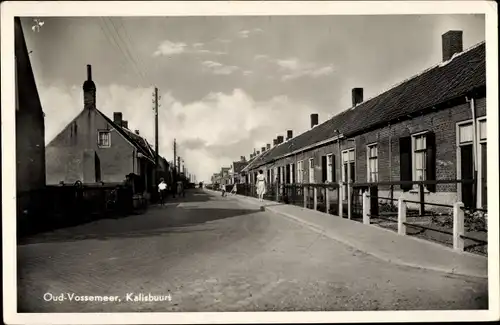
(238, 166)
(462, 74)
(139, 142)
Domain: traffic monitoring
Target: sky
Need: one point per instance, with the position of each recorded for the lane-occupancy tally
(229, 84)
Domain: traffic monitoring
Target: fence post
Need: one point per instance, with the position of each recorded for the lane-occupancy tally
(327, 201)
(341, 196)
(458, 226)
(401, 216)
(366, 208)
(349, 200)
(421, 199)
(315, 193)
(305, 195)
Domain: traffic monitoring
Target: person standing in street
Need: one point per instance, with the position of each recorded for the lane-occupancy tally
(162, 189)
(261, 185)
(234, 189)
(223, 189)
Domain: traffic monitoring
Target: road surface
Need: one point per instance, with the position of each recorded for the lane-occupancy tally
(209, 253)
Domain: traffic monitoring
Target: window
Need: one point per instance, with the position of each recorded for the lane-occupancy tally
(311, 170)
(419, 157)
(329, 168)
(348, 169)
(104, 139)
(300, 171)
(372, 155)
(482, 165)
(281, 171)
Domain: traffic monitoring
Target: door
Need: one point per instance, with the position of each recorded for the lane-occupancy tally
(467, 173)
(484, 192)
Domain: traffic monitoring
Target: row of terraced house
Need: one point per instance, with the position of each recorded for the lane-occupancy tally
(430, 127)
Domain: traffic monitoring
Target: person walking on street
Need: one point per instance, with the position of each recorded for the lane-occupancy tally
(261, 185)
(223, 189)
(162, 189)
(234, 189)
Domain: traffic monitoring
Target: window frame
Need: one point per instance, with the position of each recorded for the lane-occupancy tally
(369, 172)
(300, 171)
(312, 179)
(414, 151)
(329, 167)
(99, 138)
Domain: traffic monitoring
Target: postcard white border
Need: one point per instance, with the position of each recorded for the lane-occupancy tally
(234, 8)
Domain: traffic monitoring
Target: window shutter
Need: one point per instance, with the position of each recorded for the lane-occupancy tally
(333, 169)
(323, 169)
(405, 167)
(431, 160)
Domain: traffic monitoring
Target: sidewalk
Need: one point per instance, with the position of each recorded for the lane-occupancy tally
(382, 243)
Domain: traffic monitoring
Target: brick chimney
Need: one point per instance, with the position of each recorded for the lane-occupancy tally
(314, 120)
(357, 96)
(452, 43)
(289, 134)
(258, 152)
(279, 139)
(263, 149)
(136, 132)
(268, 146)
(275, 142)
(125, 124)
(118, 118)
(89, 90)
(242, 158)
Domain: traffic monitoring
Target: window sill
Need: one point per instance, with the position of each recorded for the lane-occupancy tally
(415, 190)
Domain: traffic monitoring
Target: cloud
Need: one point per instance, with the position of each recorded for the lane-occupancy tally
(205, 130)
(294, 69)
(169, 48)
(261, 57)
(219, 68)
(248, 32)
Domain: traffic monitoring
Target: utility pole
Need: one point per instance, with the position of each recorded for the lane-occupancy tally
(156, 133)
(174, 176)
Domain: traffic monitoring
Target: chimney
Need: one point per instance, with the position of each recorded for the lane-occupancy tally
(242, 158)
(268, 146)
(289, 134)
(258, 152)
(357, 96)
(263, 149)
(275, 142)
(280, 139)
(89, 90)
(136, 132)
(452, 43)
(125, 124)
(118, 118)
(314, 120)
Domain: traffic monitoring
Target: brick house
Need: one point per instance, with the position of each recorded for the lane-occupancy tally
(93, 148)
(236, 169)
(431, 126)
(30, 132)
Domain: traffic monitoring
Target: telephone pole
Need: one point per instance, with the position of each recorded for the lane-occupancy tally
(174, 173)
(156, 133)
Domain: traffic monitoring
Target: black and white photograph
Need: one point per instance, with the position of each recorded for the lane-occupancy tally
(184, 158)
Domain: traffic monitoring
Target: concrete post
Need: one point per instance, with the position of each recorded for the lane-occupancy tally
(458, 226)
(315, 193)
(401, 216)
(341, 197)
(349, 203)
(366, 208)
(327, 201)
(305, 195)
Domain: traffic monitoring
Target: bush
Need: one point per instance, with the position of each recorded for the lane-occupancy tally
(476, 220)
